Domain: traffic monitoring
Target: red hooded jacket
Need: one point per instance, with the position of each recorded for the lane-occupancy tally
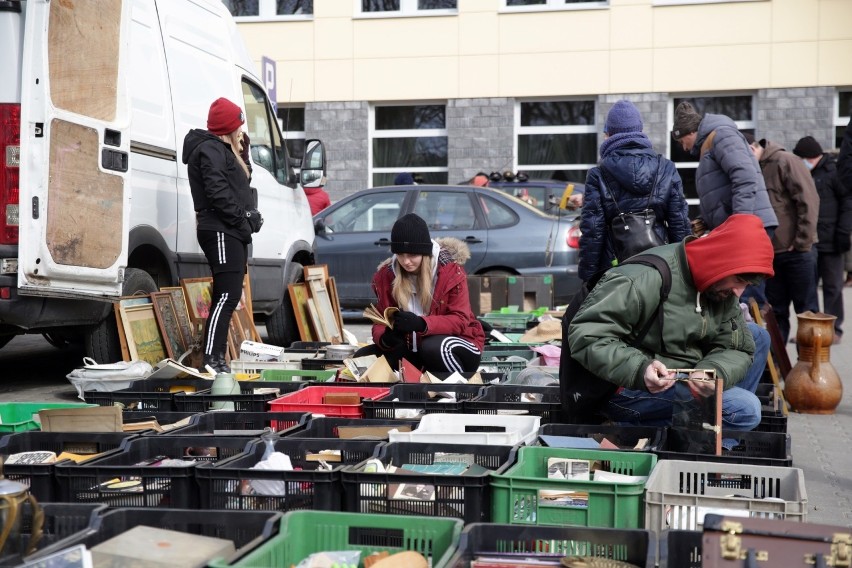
(317, 198)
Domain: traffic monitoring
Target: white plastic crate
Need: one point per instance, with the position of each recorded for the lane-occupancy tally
(489, 429)
(679, 493)
(255, 367)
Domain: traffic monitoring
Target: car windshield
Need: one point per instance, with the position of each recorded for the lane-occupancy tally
(521, 203)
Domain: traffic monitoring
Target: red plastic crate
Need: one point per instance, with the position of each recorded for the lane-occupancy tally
(310, 399)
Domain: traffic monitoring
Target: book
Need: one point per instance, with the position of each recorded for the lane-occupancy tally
(384, 318)
(568, 469)
(32, 458)
(171, 369)
(564, 498)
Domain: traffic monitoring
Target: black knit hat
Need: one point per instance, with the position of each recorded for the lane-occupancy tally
(411, 235)
(686, 120)
(808, 147)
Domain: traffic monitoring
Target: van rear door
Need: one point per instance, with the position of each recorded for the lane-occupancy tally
(75, 149)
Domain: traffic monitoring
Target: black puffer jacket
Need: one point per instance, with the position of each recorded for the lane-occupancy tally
(633, 170)
(219, 185)
(834, 225)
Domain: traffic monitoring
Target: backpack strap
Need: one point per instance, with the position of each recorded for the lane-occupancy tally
(665, 271)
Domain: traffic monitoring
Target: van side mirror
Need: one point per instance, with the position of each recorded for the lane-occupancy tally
(313, 164)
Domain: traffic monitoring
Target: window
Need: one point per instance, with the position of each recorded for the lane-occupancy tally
(407, 7)
(530, 5)
(844, 112)
(556, 139)
(497, 214)
(269, 8)
(408, 138)
(371, 212)
(267, 148)
(291, 119)
(740, 108)
(445, 210)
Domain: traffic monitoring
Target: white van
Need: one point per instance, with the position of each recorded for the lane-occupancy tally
(95, 100)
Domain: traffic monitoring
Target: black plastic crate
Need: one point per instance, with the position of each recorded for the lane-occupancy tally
(151, 395)
(306, 346)
(117, 480)
(164, 418)
(61, 521)
(517, 399)
(625, 437)
(40, 478)
(240, 527)
(241, 424)
(415, 396)
(758, 448)
(327, 427)
(772, 421)
(513, 541)
(464, 496)
(232, 484)
(320, 364)
(243, 402)
(681, 549)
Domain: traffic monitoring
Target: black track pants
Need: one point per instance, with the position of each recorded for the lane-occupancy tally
(227, 258)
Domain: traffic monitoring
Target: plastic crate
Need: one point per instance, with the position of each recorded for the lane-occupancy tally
(680, 492)
(310, 399)
(228, 485)
(472, 429)
(626, 437)
(163, 418)
(552, 543)
(61, 521)
(464, 496)
(150, 395)
(516, 499)
(328, 427)
(500, 353)
(516, 399)
(758, 448)
(39, 478)
(304, 532)
(240, 527)
(511, 322)
(504, 364)
(289, 375)
(416, 397)
(681, 549)
(246, 401)
(248, 368)
(23, 416)
(158, 486)
(321, 364)
(241, 424)
(772, 421)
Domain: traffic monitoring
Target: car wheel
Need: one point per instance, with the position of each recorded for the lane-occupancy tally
(58, 339)
(101, 341)
(5, 339)
(281, 327)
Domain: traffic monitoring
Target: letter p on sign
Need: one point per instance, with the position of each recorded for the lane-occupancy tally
(269, 77)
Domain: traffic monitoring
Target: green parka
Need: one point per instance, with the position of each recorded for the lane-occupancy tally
(697, 333)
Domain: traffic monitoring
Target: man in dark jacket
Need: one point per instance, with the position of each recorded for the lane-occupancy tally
(702, 327)
(794, 197)
(834, 226)
(844, 176)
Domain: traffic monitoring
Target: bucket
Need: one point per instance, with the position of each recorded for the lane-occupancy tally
(340, 351)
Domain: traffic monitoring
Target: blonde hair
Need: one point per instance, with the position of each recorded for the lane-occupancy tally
(235, 140)
(405, 284)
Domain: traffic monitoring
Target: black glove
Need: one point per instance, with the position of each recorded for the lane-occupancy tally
(255, 220)
(841, 242)
(407, 322)
(391, 340)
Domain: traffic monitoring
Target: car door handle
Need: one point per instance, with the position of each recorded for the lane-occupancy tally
(472, 240)
(382, 242)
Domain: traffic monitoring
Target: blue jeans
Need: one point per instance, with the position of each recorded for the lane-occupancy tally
(794, 281)
(761, 354)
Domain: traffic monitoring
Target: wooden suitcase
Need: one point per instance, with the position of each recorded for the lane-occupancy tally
(743, 542)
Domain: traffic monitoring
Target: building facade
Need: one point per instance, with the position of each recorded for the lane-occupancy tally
(448, 88)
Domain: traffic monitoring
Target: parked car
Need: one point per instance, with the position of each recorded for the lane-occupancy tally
(505, 235)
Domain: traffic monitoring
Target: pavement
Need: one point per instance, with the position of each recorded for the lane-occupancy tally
(822, 444)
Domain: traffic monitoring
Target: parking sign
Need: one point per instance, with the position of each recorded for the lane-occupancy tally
(269, 77)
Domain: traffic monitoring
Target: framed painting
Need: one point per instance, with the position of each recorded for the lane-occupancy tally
(144, 340)
(299, 300)
(198, 293)
(164, 311)
(179, 304)
(122, 337)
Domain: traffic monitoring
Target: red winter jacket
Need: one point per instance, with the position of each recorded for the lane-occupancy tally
(317, 198)
(450, 313)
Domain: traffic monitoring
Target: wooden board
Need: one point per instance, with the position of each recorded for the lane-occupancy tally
(331, 283)
(325, 311)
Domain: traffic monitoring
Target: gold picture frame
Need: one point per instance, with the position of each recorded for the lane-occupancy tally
(167, 319)
(179, 303)
(198, 294)
(144, 340)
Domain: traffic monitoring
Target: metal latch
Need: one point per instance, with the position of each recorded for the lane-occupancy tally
(841, 551)
(731, 543)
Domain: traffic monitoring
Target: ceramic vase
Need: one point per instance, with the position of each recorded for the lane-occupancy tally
(813, 386)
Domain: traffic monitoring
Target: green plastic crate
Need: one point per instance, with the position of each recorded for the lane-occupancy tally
(488, 353)
(515, 492)
(304, 532)
(22, 416)
(290, 375)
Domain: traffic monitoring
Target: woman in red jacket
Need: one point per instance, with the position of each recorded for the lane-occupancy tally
(435, 328)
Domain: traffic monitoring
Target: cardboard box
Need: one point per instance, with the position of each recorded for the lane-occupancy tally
(150, 547)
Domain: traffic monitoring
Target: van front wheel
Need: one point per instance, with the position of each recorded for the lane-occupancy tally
(281, 328)
(100, 341)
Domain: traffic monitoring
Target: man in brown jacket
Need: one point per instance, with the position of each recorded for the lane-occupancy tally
(796, 202)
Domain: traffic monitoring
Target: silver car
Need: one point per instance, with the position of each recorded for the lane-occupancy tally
(505, 235)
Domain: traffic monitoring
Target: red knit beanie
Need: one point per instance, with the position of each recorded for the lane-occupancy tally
(224, 117)
(740, 245)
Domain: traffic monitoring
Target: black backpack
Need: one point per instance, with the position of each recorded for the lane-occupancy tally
(582, 393)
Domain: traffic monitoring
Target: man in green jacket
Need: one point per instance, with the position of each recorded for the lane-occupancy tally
(702, 328)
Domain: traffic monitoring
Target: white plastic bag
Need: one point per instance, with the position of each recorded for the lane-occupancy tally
(109, 377)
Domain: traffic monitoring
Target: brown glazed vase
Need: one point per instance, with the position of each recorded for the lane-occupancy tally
(813, 386)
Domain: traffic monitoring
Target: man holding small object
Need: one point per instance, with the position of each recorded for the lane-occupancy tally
(701, 326)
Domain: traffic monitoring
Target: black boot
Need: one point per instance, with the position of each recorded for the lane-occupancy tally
(216, 362)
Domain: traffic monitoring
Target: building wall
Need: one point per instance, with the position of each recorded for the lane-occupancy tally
(785, 115)
(481, 136)
(342, 126)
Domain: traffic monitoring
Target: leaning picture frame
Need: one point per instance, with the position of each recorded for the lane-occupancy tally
(179, 303)
(167, 319)
(124, 302)
(198, 293)
(144, 340)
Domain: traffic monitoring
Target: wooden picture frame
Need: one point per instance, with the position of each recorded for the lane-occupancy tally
(198, 294)
(167, 319)
(122, 336)
(325, 311)
(179, 304)
(144, 340)
(335, 301)
(317, 322)
(315, 271)
(299, 300)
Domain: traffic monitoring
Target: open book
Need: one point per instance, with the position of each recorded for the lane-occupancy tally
(375, 316)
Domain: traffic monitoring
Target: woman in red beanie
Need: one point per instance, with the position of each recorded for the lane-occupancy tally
(226, 216)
